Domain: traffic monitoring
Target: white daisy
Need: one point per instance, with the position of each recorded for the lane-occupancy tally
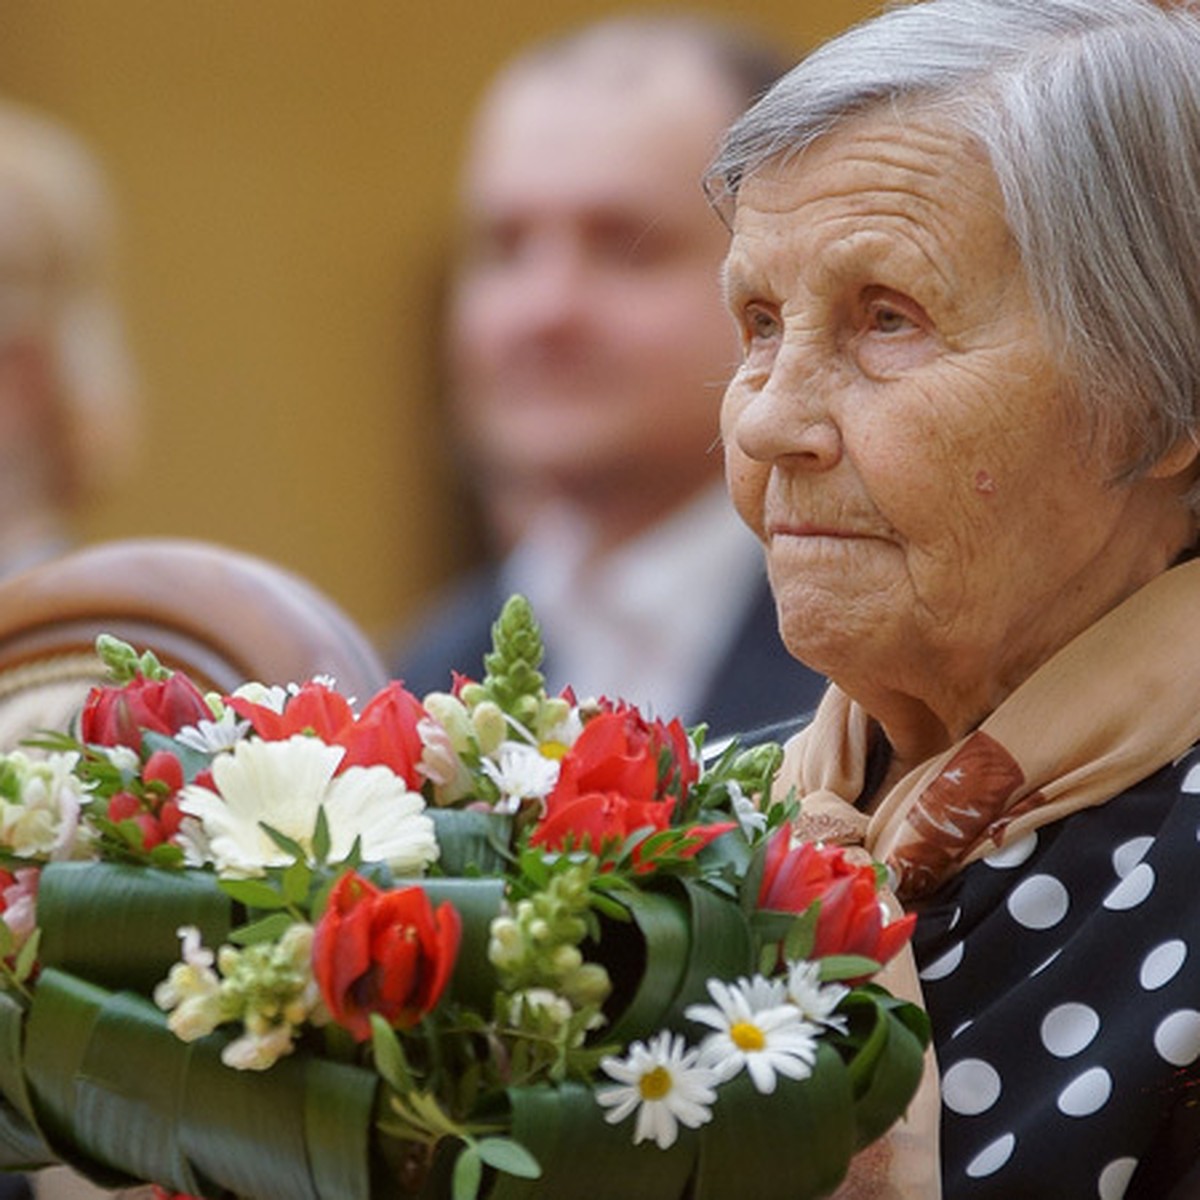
(815, 1000)
(754, 1032)
(284, 784)
(211, 737)
(521, 772)
(665, 1083)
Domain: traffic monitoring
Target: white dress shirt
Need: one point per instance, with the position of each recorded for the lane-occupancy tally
(649, 622)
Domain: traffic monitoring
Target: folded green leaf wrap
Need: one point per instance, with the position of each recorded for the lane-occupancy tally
(92, 1076)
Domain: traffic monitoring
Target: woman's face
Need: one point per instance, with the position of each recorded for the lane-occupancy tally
(898, 434)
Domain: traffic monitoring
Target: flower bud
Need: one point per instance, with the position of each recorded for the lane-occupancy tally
(490, 725)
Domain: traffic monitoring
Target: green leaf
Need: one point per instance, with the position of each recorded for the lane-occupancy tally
(299, 1131)
(802, 933)
(269, 929)
(253, 893)
(577, 1149)
(813, 1118)
(296, 881)
(836, 967)
(320, 839)
(28, 957)
(286, 844)
(886, 1071)
(468, 1174)
(117, 925)
(508, 1156)
(390, 1060)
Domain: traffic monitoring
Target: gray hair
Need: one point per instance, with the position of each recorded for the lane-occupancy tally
(1089, 111)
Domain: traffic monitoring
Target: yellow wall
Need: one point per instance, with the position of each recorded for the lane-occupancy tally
(283, 167)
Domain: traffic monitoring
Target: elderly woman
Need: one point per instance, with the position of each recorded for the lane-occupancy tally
(966, 269)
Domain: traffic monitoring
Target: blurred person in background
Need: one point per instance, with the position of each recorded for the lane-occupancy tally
(586, 349)
(66, 379)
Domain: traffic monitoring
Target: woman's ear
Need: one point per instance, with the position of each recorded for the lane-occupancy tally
(1178, 459)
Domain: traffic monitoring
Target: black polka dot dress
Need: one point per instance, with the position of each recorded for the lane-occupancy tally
(1062, 975)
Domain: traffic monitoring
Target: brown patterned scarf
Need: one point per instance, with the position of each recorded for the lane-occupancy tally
(1110, 708)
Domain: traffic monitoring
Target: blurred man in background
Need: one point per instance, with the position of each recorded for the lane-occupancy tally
(66, 380)
(587, 350)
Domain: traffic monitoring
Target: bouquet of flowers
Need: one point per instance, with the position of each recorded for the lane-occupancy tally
(490, 942)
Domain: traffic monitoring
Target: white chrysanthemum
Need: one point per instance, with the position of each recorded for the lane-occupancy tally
(42, 819)
(521, 772)
(211, 737)
(767, 1039)
(664, 1082)
(815, 1000)
(284, 784)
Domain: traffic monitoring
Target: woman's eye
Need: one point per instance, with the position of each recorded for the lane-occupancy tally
(886, 319)
(761, 323)
(884, 315)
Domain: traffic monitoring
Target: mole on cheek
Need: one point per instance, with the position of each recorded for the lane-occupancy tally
(984, 483)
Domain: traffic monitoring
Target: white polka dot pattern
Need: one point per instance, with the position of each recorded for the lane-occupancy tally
(1177, 1037)
(1069, 1029)
(945, 965)
(992, 1157)
(1014, 854)
(970, 1087)
(1162, 964)
(1114, 1179)
(1040, 902)
(1127, 855)
(1064, 988)
(1086, 1094)
(1132, 890)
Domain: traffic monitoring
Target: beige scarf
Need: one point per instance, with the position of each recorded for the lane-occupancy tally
(1110, 708)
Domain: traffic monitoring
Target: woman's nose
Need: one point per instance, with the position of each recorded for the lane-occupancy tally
(786, 414)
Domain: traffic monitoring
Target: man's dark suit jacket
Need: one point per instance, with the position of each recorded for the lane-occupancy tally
(758, 684)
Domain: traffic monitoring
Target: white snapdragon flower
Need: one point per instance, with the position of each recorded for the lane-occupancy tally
(441, 764)
(258, 1048)
(191, 993)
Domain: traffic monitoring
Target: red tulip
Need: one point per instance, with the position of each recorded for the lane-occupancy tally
(386, 733)
(850, 919)
(117, 716)
(623, 774)
(314, 708)
(621, 752)
(386, 952)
